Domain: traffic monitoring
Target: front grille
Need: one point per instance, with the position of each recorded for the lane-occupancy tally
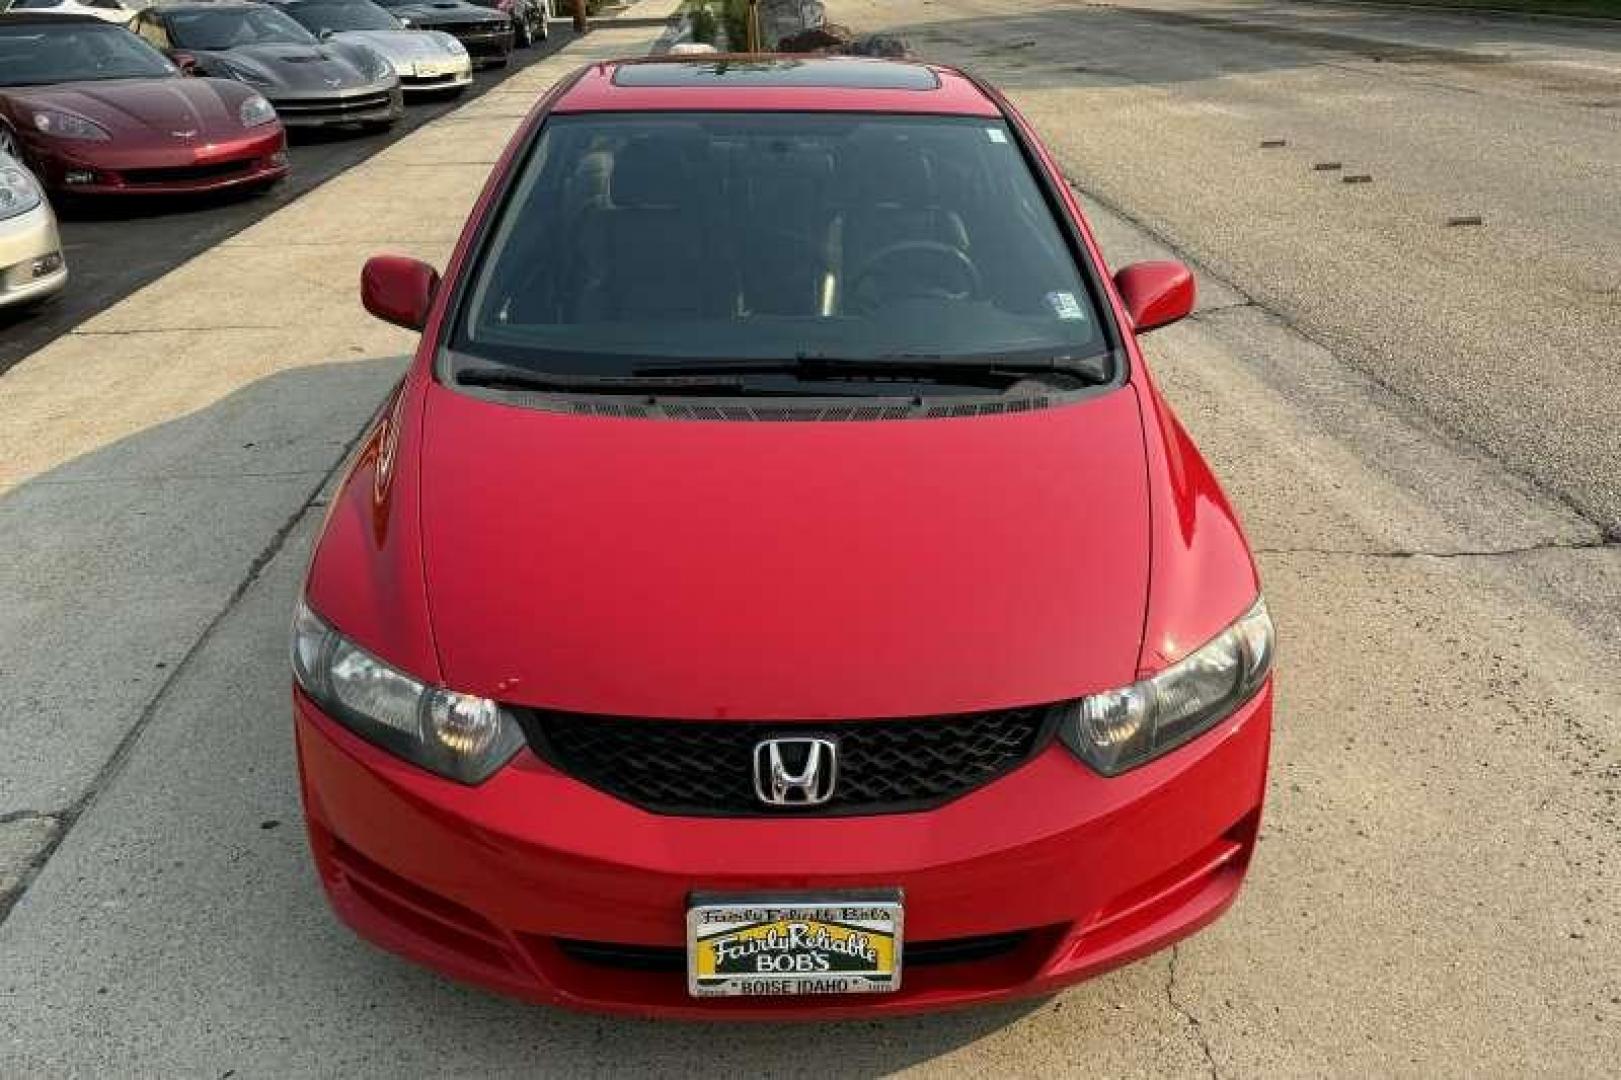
(914, 954)
(186, 174)
(707, 769)
(486, 31)
(327, 108)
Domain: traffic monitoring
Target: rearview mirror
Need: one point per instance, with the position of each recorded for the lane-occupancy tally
(399, 290)
(1156, 293)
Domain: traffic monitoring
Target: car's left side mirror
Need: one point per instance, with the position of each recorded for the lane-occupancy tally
(1156, 294)
(399, 290)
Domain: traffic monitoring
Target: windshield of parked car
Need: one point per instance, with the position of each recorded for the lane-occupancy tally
(629, 238)
(341, 15)
(230, 28)
(34, 54)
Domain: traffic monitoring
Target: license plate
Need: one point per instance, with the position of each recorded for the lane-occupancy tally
(781, 946)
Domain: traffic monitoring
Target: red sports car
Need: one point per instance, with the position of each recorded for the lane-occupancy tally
(778, 588)
(95, 111)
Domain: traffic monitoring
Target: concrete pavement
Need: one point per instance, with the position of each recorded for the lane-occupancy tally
(142, 485)
(1436, 893)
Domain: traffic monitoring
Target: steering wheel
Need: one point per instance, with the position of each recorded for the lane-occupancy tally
(901, 269)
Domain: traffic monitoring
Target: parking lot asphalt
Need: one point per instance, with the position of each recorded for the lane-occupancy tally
(1436, 892)
(115, 248)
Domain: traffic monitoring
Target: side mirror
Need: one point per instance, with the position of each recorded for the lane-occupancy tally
(326, 35)
(1156, 294)
(186, 62)
(399, 290)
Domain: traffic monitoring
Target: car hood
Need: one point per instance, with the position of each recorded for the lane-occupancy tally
(401, 46)
(293, 69)
(147, 109)
(434, 14)
(769, 570)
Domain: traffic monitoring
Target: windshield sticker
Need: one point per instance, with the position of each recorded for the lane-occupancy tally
(995, 135)
(1065, 306)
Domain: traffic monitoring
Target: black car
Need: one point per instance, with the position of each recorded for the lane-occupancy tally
(487, 35)
(529, 23)
(311, 83)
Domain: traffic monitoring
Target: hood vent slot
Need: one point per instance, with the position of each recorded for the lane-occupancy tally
(783, 413)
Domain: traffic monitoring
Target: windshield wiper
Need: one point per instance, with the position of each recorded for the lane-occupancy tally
(994, 371)
(507, 378)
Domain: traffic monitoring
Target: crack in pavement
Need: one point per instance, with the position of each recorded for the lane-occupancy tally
(1195, 1028)
(1236, 305)
(179, 477)
(67, 818)
(28, 815)
(1594, 544)
(81, 332)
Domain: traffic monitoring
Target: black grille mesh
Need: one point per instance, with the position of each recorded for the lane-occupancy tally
(699, 768)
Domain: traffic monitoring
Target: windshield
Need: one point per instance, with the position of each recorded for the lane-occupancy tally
(340, 15)
(230, 28)
(768, 236)
(32, 54)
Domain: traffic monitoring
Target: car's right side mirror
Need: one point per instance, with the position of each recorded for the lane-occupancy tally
(399, 290)
(1156, 294)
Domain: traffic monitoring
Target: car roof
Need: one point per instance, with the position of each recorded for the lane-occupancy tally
(15, 18)
(776, 84)
(163, 6)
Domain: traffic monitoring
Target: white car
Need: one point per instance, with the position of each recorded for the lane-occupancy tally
(426, 60)
(106, 10)
(31, 263)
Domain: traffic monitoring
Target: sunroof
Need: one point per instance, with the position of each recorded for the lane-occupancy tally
(841, 74)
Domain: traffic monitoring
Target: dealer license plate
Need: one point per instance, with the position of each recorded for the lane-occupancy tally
(787, 945)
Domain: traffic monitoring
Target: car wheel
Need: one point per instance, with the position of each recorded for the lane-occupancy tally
(521, 35)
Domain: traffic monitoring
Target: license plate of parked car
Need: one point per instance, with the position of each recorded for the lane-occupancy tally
(783, 947)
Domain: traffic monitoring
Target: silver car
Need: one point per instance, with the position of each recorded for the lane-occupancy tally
(31, 263)
(426, 60)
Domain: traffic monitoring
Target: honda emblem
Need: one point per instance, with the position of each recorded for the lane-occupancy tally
(795, 772)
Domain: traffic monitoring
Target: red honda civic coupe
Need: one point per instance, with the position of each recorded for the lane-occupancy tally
(777, 588)
(94, 110)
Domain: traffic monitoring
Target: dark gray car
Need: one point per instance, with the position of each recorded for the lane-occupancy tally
(311, 83)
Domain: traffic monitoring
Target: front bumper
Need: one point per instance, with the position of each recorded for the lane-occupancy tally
(82, 169)
(427, 77)
(31, 263)
(539, 886)
(376, 105)
(486, 44)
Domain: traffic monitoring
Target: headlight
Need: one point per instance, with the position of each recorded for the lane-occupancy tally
(375, 66)
(18, 191)
(245, 75)
(256, 112)
(65, 125)
(450, 45)
(1121, 729)
(459, 736)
